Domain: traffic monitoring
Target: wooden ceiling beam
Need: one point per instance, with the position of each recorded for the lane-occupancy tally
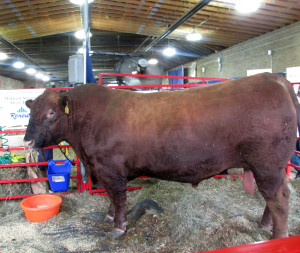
(192, 22)
(291, 4)
(34, 6)
(218, 7)
(254, 29)
(260, 20)
(20, 4)
(215, 35)
(267, 8)
(259, 14)
(29, 15)
(42, 28)
(229, 22)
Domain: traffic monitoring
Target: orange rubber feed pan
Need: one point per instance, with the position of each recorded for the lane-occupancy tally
(41, 207)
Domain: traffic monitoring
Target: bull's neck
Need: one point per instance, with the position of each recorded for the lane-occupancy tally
(86, 103)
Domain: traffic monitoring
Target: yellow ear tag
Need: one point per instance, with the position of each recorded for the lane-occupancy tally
(67, 110)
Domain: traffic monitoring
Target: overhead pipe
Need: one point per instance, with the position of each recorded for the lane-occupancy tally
(177, 23)
(140, 46)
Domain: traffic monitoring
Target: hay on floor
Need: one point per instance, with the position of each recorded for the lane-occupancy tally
(217, 214)
(15, 188)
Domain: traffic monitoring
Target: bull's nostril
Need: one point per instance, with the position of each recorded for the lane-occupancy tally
(29, 143)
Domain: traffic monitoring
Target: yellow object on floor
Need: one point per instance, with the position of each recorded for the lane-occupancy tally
(15, 158)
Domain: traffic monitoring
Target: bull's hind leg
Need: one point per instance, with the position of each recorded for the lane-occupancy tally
(273, 186)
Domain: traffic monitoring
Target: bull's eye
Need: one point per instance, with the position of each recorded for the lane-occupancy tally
(50, 114)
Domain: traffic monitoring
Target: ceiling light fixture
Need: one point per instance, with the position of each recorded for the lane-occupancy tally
(3, 56)
(19, 65)
(194, 36)
(80, 50)
(153, 61)
(169, 51)
(246, 6)
(45, 78)
(81, 35)
(30, 71)
(80, 2)
(39, 75)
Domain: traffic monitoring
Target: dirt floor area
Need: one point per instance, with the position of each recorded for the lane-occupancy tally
(217, 214)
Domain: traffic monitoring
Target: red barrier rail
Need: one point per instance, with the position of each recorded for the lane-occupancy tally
(24, 148)
(78, 177)
(283, 245)
(26, 164)
(27, 180)
(12, 131)
(157, 86)
(203, 79)
(101, 192)
(22, 164)
(218, 176)
(27, 196)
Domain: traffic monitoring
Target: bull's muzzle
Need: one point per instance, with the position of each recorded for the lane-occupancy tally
(29, 144)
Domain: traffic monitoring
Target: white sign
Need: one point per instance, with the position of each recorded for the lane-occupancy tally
(293, 74)
(13, 111)
(251, 72)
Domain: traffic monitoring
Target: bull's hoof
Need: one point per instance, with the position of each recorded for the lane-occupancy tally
(266, 226)
(116, 233)
(108, 219)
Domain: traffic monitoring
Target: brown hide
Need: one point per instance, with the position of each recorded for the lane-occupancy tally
(184, 136)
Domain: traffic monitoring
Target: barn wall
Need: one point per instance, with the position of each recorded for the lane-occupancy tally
(33, 84)
(8, 83)
(253, 54)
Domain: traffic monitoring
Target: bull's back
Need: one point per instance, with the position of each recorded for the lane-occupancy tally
(240, 106)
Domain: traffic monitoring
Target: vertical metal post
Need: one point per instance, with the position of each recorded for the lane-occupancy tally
(86, 42)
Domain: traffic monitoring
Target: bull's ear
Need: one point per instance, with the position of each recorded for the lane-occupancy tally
(66, 104)
(28, 103)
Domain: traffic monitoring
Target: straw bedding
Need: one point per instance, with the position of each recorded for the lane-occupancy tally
(217, 214)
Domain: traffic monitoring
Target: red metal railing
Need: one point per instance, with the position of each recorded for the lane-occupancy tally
(283, 245)
(188, 85)
(29, 180)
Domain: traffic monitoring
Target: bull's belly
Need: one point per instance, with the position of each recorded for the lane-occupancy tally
(186, 164)
(185, 173)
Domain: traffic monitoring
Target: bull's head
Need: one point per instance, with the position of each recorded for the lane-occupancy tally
(47, 113)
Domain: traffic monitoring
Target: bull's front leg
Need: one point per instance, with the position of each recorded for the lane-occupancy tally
(116, 190)
(110, 217)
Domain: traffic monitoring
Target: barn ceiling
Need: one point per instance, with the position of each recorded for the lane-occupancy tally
(42, 32)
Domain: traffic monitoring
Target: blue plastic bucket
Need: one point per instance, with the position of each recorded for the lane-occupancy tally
(59, 175)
